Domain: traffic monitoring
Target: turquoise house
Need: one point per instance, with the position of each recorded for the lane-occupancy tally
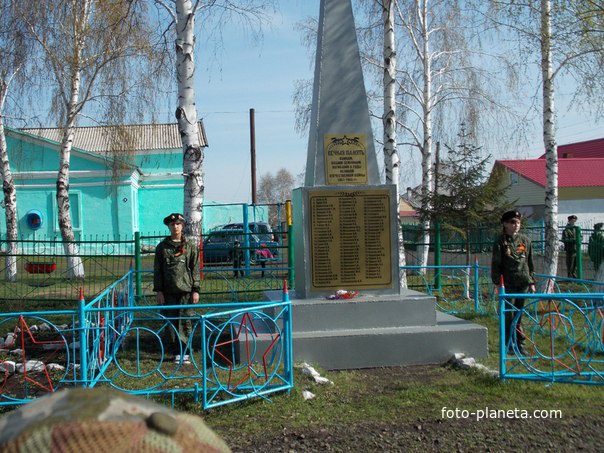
(122, 180)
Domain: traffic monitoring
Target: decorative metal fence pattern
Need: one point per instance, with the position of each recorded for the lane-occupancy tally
(563, 331)
(237, 351)
(562, 335)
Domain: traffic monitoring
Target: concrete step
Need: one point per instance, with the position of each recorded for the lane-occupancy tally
(362, 312)
(393, 346)
(376, 331)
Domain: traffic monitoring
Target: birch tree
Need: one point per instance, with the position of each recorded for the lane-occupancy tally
(391, 157)
(14, 71)
(183, 14)
(95, 52)
(566, 43)
(443, 80)
(549, 141)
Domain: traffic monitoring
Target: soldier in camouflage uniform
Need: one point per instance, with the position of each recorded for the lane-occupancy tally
(176, 282)
(595, 247)
(513, 260)
(569, 238)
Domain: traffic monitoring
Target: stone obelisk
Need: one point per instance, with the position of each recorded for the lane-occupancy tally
(344, 218)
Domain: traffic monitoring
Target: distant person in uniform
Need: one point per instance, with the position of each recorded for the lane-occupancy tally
(237, 259)
(569, 239)
(595, 247)
(176, 281)
(513, 260)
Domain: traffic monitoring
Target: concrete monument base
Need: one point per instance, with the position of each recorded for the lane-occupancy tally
(378, 331)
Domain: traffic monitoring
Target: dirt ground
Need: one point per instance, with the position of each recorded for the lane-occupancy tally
(569, 435)
(580, 433)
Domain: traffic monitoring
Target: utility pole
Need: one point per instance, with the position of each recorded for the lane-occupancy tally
(253, 153)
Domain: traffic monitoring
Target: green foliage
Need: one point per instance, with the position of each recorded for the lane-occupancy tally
(464, 196)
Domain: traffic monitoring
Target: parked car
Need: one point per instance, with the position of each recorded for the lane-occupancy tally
(262, 229)
(218, 246)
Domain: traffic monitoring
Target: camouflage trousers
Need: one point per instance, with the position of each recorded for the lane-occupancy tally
(176, 335)
(517, 334)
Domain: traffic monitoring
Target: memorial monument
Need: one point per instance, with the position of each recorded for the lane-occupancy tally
(345, 228)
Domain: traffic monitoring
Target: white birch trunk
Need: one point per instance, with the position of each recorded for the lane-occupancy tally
(427, 181)
(75, 267)
(186, 115)
(551, 149)
(10, 196)
(391, 157)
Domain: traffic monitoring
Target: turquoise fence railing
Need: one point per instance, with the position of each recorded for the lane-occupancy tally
(237, 351)
(457, 288)
(562, 331)
(561, 336)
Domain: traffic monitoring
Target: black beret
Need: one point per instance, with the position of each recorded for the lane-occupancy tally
(571, 217)
(174, 217)
(509, 215)
(598, 226)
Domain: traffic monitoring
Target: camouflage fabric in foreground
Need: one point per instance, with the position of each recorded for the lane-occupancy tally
(103, 420)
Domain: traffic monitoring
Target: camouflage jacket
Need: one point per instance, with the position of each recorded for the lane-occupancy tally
(176, 267)
(513, 259)
(595, 248)
(569, 239)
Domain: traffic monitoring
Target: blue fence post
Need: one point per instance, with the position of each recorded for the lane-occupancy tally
(290, 242)
(137, 262)
(83, 345)
(476, 282)
(131, 285)
(204, 359)
(579, 248)
(502, 346)
(246, 238)
(437, 261)
(287, 328)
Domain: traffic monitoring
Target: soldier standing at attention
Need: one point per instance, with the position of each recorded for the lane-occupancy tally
(569, 238)
(513, 260)
(595, 247)
(176, 282)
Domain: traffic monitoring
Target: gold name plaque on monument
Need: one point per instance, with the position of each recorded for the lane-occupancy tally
(345, 159)
(350, 239)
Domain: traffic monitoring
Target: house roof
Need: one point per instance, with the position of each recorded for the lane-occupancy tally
(586, 172)
(581, 150)
(144, 137)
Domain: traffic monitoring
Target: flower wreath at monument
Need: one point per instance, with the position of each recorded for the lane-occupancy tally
(343, 294)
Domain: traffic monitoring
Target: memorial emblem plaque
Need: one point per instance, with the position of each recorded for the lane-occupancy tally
(345, 159)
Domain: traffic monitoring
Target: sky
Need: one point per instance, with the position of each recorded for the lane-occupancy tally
(262, 77)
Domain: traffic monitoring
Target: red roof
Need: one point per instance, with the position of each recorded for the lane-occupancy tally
(571, 172)
(581, 150)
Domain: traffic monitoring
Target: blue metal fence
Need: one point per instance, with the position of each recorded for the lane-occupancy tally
(561, 334)
(237, 351)
(563, 331)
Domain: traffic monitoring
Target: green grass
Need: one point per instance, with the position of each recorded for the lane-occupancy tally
(363, 396)
(382, 396)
